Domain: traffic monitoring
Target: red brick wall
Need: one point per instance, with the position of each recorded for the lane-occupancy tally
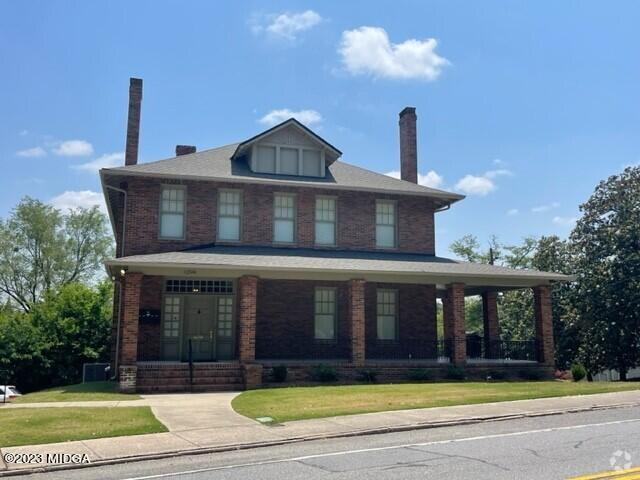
(356, 217)
(247, 302)
(149, 334)
(284, 324)
(416, 317)
(130, 314)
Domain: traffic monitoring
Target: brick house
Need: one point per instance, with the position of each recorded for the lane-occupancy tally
(273, 251)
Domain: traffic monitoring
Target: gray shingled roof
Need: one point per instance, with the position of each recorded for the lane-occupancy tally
(217, 164)
(330, 261)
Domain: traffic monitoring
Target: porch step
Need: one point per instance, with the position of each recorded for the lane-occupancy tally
(156, 378)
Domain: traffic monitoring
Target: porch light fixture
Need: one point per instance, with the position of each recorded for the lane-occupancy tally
(123, 271)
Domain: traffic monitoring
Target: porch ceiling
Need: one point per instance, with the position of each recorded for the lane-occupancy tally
(298, 263)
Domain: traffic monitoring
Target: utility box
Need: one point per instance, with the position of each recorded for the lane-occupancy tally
(95, 372)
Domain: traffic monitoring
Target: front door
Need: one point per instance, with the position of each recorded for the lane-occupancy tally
(200, 328)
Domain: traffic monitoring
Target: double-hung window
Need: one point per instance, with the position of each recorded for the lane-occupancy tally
(325, 221)
(284, 218)
(385, 224)
(325, 313)
(229, 215)
(172, 203)
(387, 314)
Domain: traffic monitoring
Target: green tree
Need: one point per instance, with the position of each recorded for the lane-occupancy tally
(42, 249)
(48, 345)
(607, 256)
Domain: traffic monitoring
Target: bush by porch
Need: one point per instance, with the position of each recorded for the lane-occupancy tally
(298, 403)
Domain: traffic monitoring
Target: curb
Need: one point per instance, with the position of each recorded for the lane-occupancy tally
(286, 441)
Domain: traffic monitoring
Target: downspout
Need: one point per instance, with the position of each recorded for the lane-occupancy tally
(119, 282)
(443, 209)
(116, 361)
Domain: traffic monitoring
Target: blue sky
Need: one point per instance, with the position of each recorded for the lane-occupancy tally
(524, 106)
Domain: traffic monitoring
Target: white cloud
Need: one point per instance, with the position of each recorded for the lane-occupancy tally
(498, 162)
(545, 208)
(73, 199)
(512, 212)
(285, 25)
(564, 221)
(498, 173)
(475, 185)
(107, 160)
(32, 152)
(308, 117)
(430, 179)
(367, 50)
(73, 148)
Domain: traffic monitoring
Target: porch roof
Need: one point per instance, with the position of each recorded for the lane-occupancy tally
(300, 263)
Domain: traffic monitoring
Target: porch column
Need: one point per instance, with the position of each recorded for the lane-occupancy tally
(490, 322)
(544, 324)
(357, 320)
(247, 300)
(129, 331)
(454, 326)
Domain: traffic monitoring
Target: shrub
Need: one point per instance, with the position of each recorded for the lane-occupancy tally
(455, 373)
(496, 375)
(419, 375)
(527, 374)
(279, 373)
(367, 375)
(324, 373)
(578, 372)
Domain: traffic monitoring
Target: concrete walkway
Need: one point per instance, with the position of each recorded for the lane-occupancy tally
(206, 422)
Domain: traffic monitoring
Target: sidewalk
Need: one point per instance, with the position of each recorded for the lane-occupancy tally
(200, 423)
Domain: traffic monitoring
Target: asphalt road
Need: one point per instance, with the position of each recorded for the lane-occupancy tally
(535, 448)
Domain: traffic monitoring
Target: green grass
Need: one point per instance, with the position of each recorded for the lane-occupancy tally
(81, 392)
(32, 426)
(297, 403)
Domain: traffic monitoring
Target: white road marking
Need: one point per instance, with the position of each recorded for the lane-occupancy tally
(378, 449)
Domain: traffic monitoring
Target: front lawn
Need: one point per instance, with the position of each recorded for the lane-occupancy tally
(297, 403)
(81, 392)
(32, 426)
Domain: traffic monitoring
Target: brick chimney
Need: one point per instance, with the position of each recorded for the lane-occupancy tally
(408, 145)
(133, 121)
(185, 150)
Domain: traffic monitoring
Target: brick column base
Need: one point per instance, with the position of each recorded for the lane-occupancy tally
(127, 378)
(454, 327)
(544, 324)
(248, 294)
(252, 373)
(490, 322)
(357, 320)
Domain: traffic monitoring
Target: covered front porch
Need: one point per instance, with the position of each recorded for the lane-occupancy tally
(250, 316)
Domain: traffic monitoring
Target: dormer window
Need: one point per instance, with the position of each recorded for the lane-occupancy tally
(288, 160)
(288, 149)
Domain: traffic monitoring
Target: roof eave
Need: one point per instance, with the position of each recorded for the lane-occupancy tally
(448, 198)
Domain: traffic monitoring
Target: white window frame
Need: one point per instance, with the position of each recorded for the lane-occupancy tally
(395, 315)
(239, 216)
(321, 167)
(394, 204)
(333, 313)
(317, 221)
(294, 219)
(161, 211)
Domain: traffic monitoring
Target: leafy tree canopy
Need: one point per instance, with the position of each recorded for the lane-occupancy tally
(42, 249)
